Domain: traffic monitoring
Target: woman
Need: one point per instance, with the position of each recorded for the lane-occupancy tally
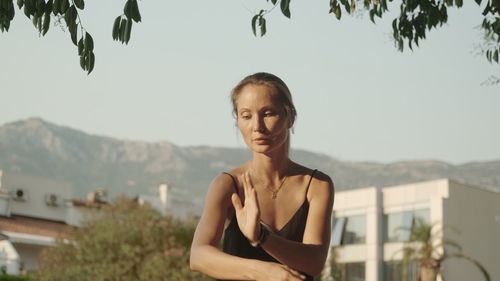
(278, 210)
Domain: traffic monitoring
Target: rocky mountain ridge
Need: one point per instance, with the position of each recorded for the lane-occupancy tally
(37, 147)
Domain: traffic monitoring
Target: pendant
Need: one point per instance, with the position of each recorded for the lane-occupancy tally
(275, 194)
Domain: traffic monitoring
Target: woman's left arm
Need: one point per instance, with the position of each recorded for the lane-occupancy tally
(310, 255)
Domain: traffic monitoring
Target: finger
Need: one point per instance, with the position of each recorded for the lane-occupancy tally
(248, 184)
(249, 181)
(245, 185)
(242, 179)
(235, 199)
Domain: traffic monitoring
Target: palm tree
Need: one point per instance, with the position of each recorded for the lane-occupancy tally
(430, 251)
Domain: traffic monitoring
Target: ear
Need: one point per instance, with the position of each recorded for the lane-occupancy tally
(290, 123)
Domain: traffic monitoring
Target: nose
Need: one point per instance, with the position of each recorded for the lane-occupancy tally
(258, 124)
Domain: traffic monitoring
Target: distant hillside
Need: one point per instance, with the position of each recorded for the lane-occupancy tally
(40, 148)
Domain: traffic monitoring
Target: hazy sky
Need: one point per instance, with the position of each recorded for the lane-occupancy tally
(357, 97)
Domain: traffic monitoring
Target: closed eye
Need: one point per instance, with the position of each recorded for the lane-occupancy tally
(269, 113)
(245, 116)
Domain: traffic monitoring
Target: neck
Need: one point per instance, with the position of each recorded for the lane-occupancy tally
(269, 168)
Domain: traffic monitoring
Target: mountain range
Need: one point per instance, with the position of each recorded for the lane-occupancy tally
(40, 148)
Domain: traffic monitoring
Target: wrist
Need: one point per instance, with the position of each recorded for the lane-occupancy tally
(262, 237)
(256, 241)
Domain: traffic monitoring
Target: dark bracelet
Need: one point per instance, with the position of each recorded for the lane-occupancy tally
(264, 233)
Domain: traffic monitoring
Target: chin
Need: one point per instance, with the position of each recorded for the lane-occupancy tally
(264, 149)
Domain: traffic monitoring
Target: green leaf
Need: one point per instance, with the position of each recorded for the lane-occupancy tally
(123, 27)
(274, 2)
(39, 24)
(56, 9)
(72, 30)
(20, 4)
(40, 7)
(49, 6)
(88, 42)
(136, 15)
(46, 23)
(127, 10)
(80, 46)
(26, 11)
(254, 24)
(346, 6)
(82, 62)
(487, 9)
(128, 29)
(285, 8)
(262, 24)
(80, 4)
(63, 6)
(35, 20)
(10, 11)
(459, 3)
(90, 62)
(333, 4)
(478, 2)
(116, 28)
(338, 12)
(495, 56)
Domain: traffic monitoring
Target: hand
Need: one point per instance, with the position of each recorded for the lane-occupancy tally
(248, 214)
(278, 272)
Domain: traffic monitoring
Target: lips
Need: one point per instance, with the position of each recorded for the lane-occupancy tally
(261, 140)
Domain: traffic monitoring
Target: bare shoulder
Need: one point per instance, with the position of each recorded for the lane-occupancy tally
(321, 185)
(221, 185)
(319, 179)
(323, 180)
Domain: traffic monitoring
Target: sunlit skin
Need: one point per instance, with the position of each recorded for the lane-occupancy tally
(264, 125)
(262, 122)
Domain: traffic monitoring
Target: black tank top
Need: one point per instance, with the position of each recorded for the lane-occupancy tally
(235, 243)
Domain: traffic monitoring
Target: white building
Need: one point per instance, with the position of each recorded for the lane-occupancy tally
(32, 216)
(36, 211)
(371, 224)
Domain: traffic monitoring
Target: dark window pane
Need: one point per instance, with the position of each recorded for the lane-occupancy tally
(355, 230)
(393, 222)
(397, 226)
(338, 229)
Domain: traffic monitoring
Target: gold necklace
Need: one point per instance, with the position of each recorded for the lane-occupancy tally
(274, 192)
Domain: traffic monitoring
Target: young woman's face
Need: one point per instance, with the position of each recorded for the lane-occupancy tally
(261, 119)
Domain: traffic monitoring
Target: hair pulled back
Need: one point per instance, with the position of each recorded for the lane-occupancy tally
(283, 95)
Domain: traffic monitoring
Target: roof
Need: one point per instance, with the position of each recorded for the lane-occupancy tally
(34, 226)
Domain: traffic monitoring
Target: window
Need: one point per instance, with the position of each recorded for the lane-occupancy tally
(398, 226)
(349, 230)
(348, 271)
(397, 271)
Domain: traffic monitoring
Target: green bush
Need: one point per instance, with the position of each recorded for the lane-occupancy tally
(124, 242)
(6, 277)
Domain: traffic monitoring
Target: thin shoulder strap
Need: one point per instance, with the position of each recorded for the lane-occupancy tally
(310, 179)
(235, 185)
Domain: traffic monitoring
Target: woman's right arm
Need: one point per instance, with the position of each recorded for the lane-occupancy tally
(207, 258)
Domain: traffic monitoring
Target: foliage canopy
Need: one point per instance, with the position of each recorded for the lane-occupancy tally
(415, 19)
(126, 242)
